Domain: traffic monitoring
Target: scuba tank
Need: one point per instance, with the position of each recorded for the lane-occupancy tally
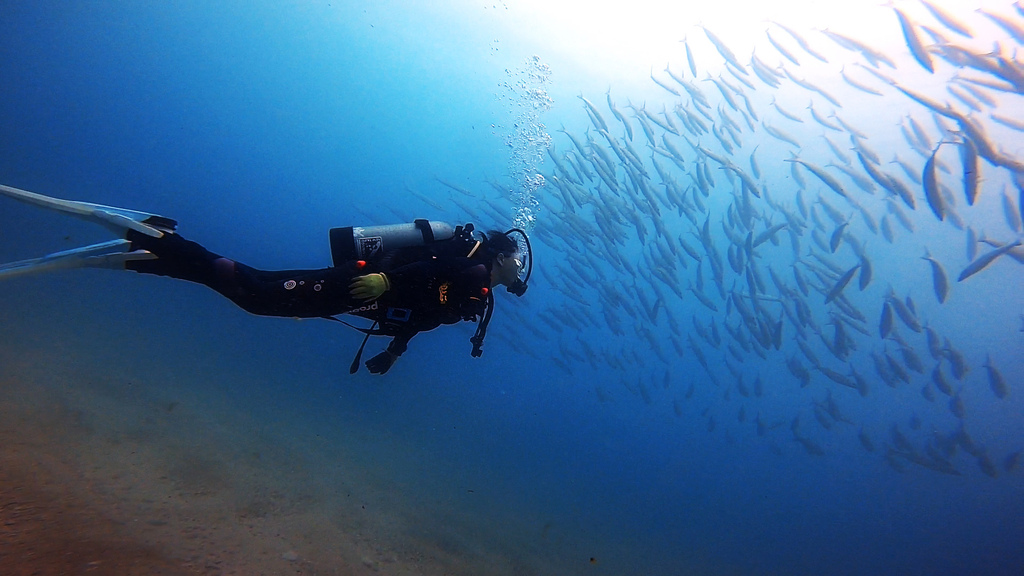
(372, 242)
(422, 237)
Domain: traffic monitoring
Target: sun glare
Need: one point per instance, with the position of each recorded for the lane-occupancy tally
(638, 34)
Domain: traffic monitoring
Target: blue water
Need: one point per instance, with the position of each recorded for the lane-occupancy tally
(260, 127)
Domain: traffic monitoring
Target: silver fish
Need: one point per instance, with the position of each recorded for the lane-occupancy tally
(689, 58)
(1011, 27)
(931, 186)
(904, 312)
(885, 323)
(985, 259)
(995, 379)
(940, 381)
(837, 237)
(939, 281)
(841, 283)
(802, 42)
(865, 440)
(663, 85)
(914, 42)
(873, 56)
(1010, 213)
(780, 135)
(785, 113)
(865, 272)
(858, 85)
(782, 50)
(825, 177)
(724, 50)
(764, 72)
(969, 159)
(947, 20)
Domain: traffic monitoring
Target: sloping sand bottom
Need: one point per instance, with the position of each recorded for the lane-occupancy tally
(105, 473)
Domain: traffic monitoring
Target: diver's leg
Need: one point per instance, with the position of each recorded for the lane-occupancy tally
(289, 293)
(175, 257)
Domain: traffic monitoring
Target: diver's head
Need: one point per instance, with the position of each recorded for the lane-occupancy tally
(505, 270)
(506, 261)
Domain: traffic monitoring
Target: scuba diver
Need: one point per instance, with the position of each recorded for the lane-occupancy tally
(405, 278)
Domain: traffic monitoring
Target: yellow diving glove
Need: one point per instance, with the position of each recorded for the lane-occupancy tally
(369, 287)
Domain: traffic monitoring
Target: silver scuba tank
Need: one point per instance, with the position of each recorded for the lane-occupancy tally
(371, 242)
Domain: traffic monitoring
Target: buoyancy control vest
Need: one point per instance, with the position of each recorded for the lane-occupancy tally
(391, 246)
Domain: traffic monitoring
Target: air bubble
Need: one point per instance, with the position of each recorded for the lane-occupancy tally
(529, 139)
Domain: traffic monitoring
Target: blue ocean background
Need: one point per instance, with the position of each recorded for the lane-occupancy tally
(260, 125)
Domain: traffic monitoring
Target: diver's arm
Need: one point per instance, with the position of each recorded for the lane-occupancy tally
(400, 344)
(416, 277)
(382, 362)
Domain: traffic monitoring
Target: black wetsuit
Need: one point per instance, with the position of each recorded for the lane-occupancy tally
(423, 294)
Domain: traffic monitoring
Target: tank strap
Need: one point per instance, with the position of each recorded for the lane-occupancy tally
(423, 225)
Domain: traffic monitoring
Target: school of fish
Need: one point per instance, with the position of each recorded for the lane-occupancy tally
(711, 230)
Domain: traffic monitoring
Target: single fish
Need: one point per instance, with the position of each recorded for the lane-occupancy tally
(724, 50)
(971, 165)
(972, 244)
(914, 42)
(931, 186)
(1012, 28)
(825, 177)
(837, 237)
(618, 115)
(858, 85)
(764, 72)
(810, 446)
(948, 21)
(837, 289)
(596, 117)
(689, 58)
(874, 57)
(905, 313)
(866, 272)
(885, 323)
(802, 42)
(1010, 213)
(985, 259)
(1013, 123)
(957, 362)
(804, 83)
(865, 440)
(995, 379)
(776, 133)
(939, 281)
(940, 381)
(782, 50)
(786, 113)
(663, 84)
(1011, 461)
(707, 302)
(956, 406)
(984, 462)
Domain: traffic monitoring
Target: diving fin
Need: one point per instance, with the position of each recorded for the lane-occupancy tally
(116, 219)
(112, 254)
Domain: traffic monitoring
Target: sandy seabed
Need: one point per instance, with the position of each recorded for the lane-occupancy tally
(102, 473)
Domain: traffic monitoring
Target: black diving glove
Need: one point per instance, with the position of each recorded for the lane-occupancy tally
(381, 363)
